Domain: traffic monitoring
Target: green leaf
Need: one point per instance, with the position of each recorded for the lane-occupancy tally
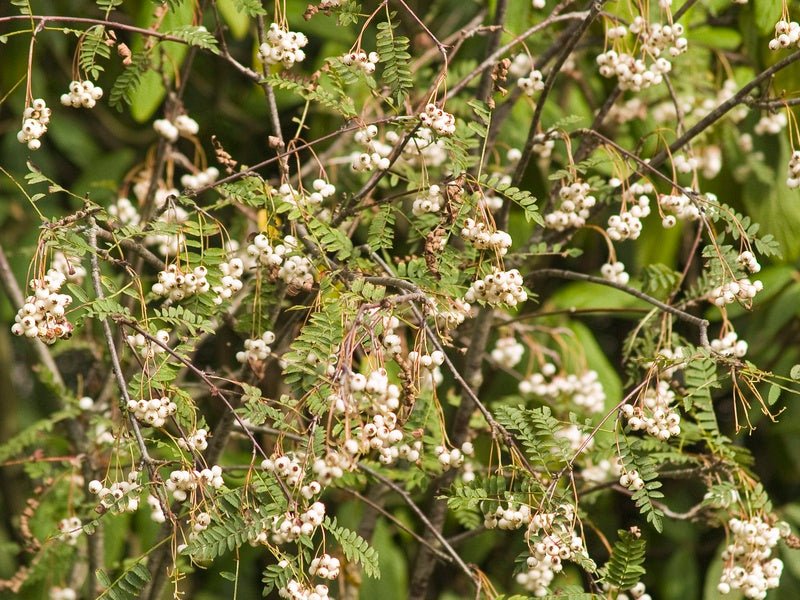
(355, 548)
(774, 394)
(196, 36)
(624, 567)
(128, 586)
(393, 52)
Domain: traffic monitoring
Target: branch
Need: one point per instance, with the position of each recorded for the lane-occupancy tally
(701, 324)
(213, 389)
(572, 41)
(163, 37)
(719, 112)
(134, 246)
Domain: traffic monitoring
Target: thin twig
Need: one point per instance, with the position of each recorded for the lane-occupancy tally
(492, 58)
(116, 367)
(701, 324)
(422, 517)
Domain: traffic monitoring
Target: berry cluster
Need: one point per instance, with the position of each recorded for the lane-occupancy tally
(297, 272)
(521, 65)
(637, 592)
(543, 145)
(265, 254)
(427, 361)
(632, 73)
(537, 578)
(743, 289)
(430, 201)
(200, 522)
(507, 352)
(631, 480)
(201, 179)
(70, 529)
(375, 154)
(294, 590)
(382, 434)
(679, 206)
(576, 438)
(289, 468)
(291, 526)
(574, 209)
(69, 267)
(197, 441)
(441, 121)
(361, 60)
(557, 543)
(771, 124)
(35, 119)
(183, 125)
(453, 458)
(124, 211)
(43, 314)
(176, 285)
(154, 412)
(511, 517)
(615, 272)
(656, 38)
(231, 281)
(748, 566)
(82, 94)
(390, 340)
(422, 148)
(531, 84)
(602, 472)
(684, 164)
(180, 483)
(787, 33)
(334, 465)
(325, 566)
(282, 47)
(628, 225)
(499, 287)
(730, 345)
(480, 236)
(322, 190)
(585, 391)
(656, 415)
(148, 348)
(156, 511)
(793, 180)
(453, 315)
(256, 350)
(747, 260)
(112, 497)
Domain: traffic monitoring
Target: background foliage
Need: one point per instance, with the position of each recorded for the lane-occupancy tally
(93, 154)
